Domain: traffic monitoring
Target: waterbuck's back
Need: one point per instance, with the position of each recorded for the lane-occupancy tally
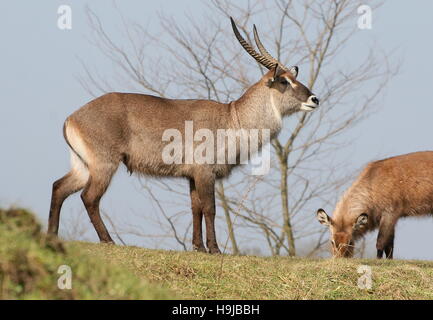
(401, 184)
(130, 128)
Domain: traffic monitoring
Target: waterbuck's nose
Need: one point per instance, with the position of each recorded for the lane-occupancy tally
(311, 104)
(314, 100)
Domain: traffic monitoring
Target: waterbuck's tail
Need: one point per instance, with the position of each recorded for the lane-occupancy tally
(79, 151)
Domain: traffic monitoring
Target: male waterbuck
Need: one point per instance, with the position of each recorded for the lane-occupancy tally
(130, 128)
(385, 191)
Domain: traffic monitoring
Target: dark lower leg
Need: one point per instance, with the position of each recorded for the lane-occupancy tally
(91, 197)
(389, 250)
(379, 254)
(54, 217)
(197, 235)
(205, 184)
(385, 238)
(211, 242)
(197, 217)
(62, 188)
(98, 224)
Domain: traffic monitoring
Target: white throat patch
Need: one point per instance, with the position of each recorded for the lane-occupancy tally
(277, 113)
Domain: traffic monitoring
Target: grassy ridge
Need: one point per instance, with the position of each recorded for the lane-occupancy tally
(200, 276)
(29, 262)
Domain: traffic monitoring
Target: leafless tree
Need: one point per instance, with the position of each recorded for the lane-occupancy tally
(202, 59)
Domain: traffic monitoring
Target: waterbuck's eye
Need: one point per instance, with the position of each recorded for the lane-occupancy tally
(284, 82)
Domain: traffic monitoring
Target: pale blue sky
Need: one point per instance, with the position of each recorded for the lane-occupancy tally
(39, 90)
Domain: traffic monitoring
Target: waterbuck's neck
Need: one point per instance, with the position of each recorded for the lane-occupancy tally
(259, 108)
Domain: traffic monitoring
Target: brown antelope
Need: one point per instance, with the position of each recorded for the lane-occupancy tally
(385, 191)
(129, 128)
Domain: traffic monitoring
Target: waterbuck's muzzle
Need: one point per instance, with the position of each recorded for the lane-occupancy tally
(311, 104)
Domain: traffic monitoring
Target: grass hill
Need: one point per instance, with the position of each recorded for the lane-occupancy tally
(201, 276)
(29, 262)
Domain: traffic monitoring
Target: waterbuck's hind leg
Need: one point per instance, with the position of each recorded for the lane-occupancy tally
(63, 188)
(197, 218)
(205, 184)
(95, 188)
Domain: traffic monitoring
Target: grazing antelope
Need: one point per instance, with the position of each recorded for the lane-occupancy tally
(385, 191)
(129, 128)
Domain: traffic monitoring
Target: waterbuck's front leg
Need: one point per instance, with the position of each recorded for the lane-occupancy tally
(197, 218)
(385, 238)
(205, 185)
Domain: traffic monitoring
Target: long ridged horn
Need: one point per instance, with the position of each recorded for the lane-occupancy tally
(263, 50)
(248, 48)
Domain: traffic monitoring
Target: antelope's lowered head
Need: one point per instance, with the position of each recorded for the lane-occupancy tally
(343, 232)
(288, 94)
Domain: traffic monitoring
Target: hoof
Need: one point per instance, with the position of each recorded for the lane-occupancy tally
(199, 249)
(214, 251)
(108, 242)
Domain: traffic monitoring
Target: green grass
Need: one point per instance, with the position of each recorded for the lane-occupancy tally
(29, 261)
(201, 276)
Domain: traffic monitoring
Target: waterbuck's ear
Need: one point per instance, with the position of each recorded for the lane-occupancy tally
(361, 222)
(294, 71)
(323, 217)
(278, 71)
